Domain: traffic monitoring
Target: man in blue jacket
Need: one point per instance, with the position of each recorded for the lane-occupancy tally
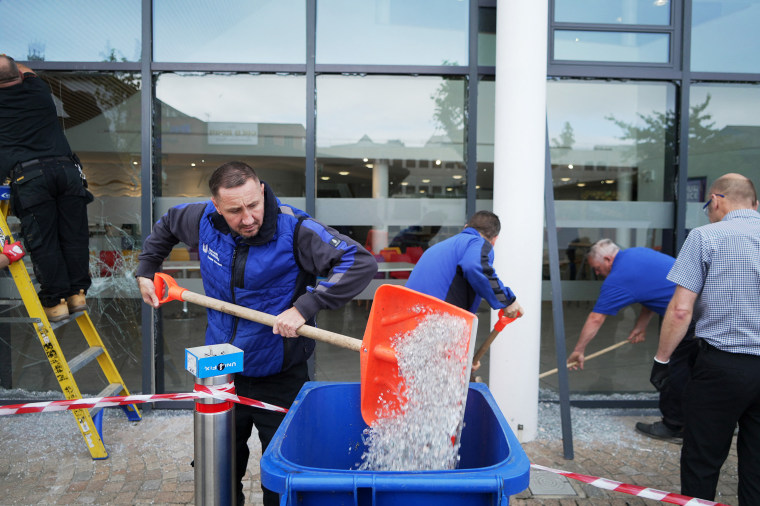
(460, 269)
(259, 253)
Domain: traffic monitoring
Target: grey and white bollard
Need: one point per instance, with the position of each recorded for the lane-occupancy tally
(214, 422)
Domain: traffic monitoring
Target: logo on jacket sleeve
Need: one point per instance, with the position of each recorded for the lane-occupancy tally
(335, 242)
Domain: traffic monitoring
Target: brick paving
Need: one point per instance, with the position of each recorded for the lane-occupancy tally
(44, 461)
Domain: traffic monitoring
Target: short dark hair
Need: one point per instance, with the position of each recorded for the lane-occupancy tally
(231, 175)
(485, 222)
(8, 68)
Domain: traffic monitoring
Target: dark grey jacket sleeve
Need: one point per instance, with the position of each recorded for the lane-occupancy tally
(346, 266)
(179, 224)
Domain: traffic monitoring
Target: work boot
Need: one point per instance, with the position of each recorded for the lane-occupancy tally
(658, 430)
(76, 302)
(58, 312)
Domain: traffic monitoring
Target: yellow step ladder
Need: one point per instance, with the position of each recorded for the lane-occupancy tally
(89, 420)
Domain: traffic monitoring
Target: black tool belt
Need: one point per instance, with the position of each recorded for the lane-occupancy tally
(23, 168)
(37, 161)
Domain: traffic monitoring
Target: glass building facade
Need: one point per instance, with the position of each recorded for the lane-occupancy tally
(377, 117)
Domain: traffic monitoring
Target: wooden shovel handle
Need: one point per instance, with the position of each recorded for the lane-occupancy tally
(498, 327)
(596, 354)
(175, 292)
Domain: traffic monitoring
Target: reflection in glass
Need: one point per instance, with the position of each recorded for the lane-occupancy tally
(392, 32)
(77, 30)
(724, 125)
(256, 119)
(628, 12)
(487, 36)
(234, 31)
(407, 141)
(485, 146)
(577, 45)
(724, 36)
(611, 141)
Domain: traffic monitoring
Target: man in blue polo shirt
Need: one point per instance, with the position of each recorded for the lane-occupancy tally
(639, 275)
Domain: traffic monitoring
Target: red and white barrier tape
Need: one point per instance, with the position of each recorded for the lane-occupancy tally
(635, 490)
(223, 392)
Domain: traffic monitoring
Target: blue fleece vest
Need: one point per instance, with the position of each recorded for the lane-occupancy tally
(269, 284)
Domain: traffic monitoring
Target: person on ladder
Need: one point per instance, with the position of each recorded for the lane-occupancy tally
(48, 189)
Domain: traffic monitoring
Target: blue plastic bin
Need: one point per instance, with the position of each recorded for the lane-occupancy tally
(313, 456)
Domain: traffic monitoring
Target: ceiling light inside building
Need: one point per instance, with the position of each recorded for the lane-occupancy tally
(581, 185)
(325, 178)
(425, 180)
(437, 162)
(609, 181)
(404, 183)
(365, 160)
(564, 179)
(457, 176)
(570, 166)
(344, 173)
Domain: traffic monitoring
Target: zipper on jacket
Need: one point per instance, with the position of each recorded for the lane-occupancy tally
(232, 293)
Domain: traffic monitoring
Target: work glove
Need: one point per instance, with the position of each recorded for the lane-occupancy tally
(660, 375)
(13, 251)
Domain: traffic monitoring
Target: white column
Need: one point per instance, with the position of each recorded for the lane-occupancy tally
(521, 32)
(379, 234)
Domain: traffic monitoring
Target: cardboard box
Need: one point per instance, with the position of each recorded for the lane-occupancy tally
(213, 360)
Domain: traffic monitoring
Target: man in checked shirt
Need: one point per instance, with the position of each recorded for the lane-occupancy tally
(717, 274)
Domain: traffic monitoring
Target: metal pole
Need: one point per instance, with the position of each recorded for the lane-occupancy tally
(214, 424)
(559, 318)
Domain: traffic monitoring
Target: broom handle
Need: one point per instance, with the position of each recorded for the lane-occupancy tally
(600, 352)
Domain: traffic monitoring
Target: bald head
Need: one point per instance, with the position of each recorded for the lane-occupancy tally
(8, 69)
(738, 190)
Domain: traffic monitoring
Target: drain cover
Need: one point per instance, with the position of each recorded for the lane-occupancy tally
(545, 483)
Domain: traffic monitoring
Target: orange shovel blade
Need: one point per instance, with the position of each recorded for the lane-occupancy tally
(396, 310)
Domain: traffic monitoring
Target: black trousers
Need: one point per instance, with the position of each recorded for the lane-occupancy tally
(679, 370)
(279, 389)
(51, 202)
(724, 389)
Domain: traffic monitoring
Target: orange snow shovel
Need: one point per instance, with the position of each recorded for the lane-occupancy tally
(395, 310)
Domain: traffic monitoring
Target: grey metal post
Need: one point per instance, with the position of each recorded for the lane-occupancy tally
(214, 424)
(559, 318)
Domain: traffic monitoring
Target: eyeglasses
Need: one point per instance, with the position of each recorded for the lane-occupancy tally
(705, 207)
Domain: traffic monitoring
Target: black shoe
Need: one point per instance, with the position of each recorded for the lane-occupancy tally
(659, 430)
